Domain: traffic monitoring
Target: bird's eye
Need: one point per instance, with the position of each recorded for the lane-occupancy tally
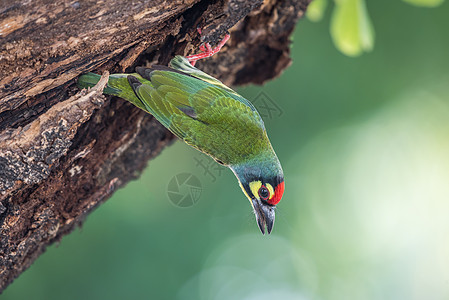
(263, 193)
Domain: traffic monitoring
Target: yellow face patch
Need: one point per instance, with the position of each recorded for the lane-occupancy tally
(255, 186)
(270, 189)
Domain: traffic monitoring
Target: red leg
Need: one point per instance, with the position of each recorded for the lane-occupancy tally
(207, 50)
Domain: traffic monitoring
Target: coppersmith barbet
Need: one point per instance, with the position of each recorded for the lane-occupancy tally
(210, 117)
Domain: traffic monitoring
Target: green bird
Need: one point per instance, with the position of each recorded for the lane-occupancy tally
(210, 117)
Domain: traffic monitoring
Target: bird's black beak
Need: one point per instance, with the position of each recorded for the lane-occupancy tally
(264, 215)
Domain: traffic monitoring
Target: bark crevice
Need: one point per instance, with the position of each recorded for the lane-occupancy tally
(63, 151)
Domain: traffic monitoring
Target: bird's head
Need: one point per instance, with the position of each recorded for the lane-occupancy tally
(263, 185)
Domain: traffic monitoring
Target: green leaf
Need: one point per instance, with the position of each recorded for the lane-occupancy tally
(315, 10)
(425, 3)
(351, 29)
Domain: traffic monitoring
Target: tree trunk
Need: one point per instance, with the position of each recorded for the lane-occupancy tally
(64, 151)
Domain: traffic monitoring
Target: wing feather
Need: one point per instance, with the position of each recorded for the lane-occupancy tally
(203, 113)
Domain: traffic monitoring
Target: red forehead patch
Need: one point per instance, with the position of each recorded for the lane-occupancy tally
(278, 192)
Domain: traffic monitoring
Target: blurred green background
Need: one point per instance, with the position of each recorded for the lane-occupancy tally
(364, 144)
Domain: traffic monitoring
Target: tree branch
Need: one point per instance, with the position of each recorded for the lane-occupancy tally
(64, 151)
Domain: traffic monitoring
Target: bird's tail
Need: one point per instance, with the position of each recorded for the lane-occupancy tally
(90, 79)
(118, 85)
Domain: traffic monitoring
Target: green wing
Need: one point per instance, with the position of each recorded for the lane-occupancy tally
(180, 63)
(205, 115)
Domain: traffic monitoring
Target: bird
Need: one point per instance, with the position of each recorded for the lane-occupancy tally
(210, 117)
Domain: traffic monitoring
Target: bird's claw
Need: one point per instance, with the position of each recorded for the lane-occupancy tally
(207, 50)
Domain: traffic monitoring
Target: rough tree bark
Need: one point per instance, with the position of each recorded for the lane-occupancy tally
(64, 151)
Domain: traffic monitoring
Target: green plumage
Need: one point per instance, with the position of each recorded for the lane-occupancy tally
(210, 117)
(198, 109)
(118, 85)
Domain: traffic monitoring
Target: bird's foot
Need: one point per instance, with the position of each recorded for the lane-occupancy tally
(207, 50)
